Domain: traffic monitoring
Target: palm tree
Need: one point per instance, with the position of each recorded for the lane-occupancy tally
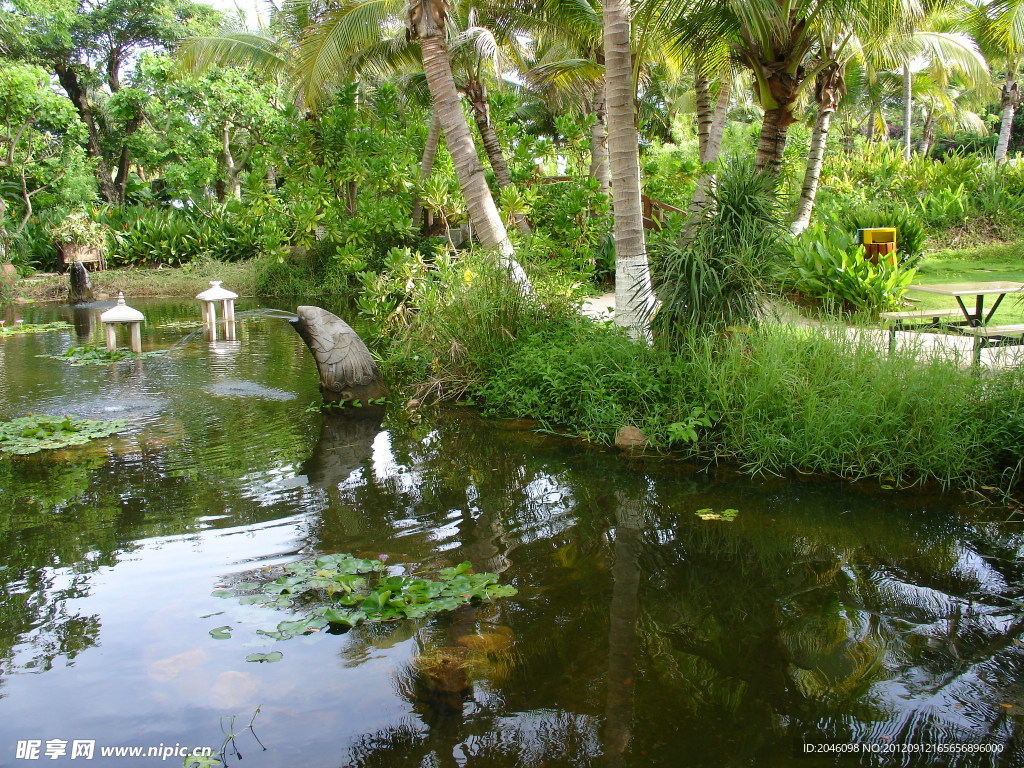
(883, 44)
(426, 23)
(940, 44)
(998, 26)
(777, 40)
(634, 300)
(947, 108)
(479, 51)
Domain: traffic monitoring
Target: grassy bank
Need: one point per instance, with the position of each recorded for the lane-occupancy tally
(138, 282)
(770, 398)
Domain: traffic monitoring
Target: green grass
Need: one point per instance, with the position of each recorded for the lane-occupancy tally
(777, 399)
(166, 282)
(974, 265)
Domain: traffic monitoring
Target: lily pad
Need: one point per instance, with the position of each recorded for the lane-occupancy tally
(335, 592)
(221, 633)
(726, 515)
(89, 355)
(22, 328)
(265, 657)
(31, 434)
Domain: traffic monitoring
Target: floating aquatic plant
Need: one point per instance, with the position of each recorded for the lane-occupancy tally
(90, 355)
(728, 515)
(317, 406)
(31, 434)
(340, 591)
(22, 328)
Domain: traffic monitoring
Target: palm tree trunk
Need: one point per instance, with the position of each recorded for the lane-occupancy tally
(927, 134)
(482, 117)
(908, 113)
(427, 165)
(772, 142)
(718, 120)
(634, 300)
(483, 213)
(599, 141)
(815, 156)
(702, 92)
(1008, 100)
(709, 155)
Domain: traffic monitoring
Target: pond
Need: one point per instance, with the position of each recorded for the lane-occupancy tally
(820, 612)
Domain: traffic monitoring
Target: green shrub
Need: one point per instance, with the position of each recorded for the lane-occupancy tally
(34, 246)
(590, 380)
(721, 276)
(325, 269)
(910, 234)
(155, 236)
(830, 266)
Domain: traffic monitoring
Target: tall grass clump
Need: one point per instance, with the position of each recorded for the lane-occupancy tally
(583, 379)
(448, 323)
(821, 402)
(720, 276)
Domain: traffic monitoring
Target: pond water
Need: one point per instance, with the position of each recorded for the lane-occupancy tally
(641, 635)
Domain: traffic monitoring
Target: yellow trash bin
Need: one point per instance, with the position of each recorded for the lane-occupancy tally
(878, 242)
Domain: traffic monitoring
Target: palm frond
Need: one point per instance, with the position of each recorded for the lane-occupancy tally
(260, 53)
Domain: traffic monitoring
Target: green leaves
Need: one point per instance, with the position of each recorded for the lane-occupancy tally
(342, 591)
(31, 434)
(830, 266)
(89, 355)
(265, 657)
(16, 330)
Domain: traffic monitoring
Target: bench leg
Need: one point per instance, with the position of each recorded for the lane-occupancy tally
(979, 344)
(892, 339)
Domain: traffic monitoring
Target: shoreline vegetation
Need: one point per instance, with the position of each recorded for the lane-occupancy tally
(768, 398)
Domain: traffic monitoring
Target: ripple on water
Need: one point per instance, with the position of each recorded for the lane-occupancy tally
(138, 408)
(238, 388)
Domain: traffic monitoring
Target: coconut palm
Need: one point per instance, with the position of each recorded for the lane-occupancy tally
(998, 26)
(426, 23)
(947, 51)
(778, 42)
(941, 45)
(947, 108)
(634, 299)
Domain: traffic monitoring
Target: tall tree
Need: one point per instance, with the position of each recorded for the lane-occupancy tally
(86, 46)
(427, 24)
(39, 143)
(998, 26)
(634, 299)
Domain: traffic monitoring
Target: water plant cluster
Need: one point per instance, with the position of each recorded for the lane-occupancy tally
(340, 591)
(91, 355)
(23, 328)
(32, 434)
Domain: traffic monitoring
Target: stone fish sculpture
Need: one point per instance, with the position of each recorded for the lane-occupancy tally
(347, 369)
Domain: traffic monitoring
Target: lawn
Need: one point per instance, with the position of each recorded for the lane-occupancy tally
(974, 265)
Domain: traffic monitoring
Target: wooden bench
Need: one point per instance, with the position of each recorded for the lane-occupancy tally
(918, 319)
(994, 336)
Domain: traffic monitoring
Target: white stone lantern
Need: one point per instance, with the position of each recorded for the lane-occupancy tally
(211, 296)
(122, 313)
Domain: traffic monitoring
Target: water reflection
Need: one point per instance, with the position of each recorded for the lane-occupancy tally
(641, 634)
